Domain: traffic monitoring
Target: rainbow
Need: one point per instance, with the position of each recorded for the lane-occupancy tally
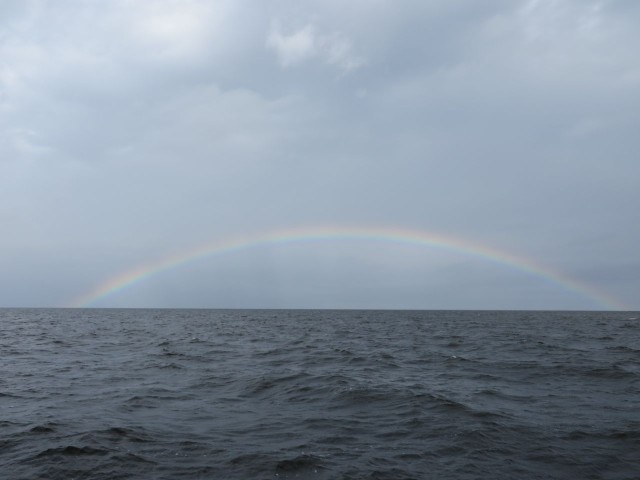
(333, 233)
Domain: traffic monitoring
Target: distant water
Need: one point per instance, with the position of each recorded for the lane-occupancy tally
(246, 394)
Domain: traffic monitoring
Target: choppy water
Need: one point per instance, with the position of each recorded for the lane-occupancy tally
(204, 394)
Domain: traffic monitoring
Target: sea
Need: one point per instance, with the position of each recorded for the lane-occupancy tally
(318, 394)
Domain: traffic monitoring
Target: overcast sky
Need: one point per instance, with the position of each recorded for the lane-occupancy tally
(130, 130)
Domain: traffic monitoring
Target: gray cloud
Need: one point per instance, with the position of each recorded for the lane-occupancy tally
(130, 131)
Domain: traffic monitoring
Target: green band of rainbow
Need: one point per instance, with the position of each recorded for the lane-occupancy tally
(333, 233)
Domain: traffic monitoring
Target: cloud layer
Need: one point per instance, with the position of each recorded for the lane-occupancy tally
(131, 130)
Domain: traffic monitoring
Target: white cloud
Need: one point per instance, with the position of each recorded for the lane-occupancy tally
(177, 31)
(338, 51)
(306, 43)
(293, 48)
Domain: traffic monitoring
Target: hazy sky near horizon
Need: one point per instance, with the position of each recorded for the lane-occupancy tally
(131, 130)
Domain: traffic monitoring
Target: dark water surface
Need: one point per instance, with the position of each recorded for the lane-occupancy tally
(247, 394)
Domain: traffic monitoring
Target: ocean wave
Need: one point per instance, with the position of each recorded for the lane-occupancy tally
(152, 395)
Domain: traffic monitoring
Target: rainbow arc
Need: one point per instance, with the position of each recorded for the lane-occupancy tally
(141, 272)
